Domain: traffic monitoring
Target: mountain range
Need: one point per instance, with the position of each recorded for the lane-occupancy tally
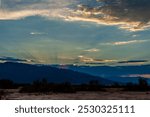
(120, 74)
(27, 73)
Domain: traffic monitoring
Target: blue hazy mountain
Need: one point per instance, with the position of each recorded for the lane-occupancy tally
(27, 73)
(113, 73)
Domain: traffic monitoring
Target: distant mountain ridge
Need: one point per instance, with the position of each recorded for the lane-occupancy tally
(27, 73)
(113, 73)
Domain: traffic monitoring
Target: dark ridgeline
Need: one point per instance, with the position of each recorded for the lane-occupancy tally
(26, 73)
(43, 79)
(114, 73)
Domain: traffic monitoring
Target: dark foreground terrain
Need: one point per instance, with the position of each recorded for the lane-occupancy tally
(43, 90)
(109, 94)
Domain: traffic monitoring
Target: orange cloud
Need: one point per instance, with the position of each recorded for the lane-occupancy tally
(119, 43)
(130, 15)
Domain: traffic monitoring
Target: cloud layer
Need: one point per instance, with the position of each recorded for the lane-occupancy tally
(119, 43)
(132, 15)
(133, 61)
(12, 59)
(17, 9)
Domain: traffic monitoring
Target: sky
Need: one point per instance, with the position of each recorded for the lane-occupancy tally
(83, 32)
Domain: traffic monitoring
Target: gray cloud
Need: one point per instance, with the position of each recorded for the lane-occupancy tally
(95, 63)
(129, 14)
(16, 9)
(134, 61)
(119, 43)
(110, 62)
(33, 4)
(11, 59)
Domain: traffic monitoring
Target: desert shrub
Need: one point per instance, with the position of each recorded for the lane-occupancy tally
(64, 88)
(141, 86)
(38, 86)
(93, 85)
(42, 86)
(130, 87)
(116, 85)
(6, 84)
(82, 87)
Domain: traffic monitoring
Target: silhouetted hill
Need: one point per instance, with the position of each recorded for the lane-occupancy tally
(113, 73)
(26, 73)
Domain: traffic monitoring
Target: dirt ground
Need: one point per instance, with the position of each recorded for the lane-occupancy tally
(109, 94)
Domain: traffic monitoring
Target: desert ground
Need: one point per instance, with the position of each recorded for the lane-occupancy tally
(108, 94)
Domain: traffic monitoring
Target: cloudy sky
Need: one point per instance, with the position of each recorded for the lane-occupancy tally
(92, 32)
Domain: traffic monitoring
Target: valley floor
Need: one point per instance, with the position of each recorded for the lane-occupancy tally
(109, 94)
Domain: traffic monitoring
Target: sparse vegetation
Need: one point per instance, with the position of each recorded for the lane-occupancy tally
(66, 87)
(39, 86)
(43, 86)
(141, 86)
(93, 85)
(7, 84)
